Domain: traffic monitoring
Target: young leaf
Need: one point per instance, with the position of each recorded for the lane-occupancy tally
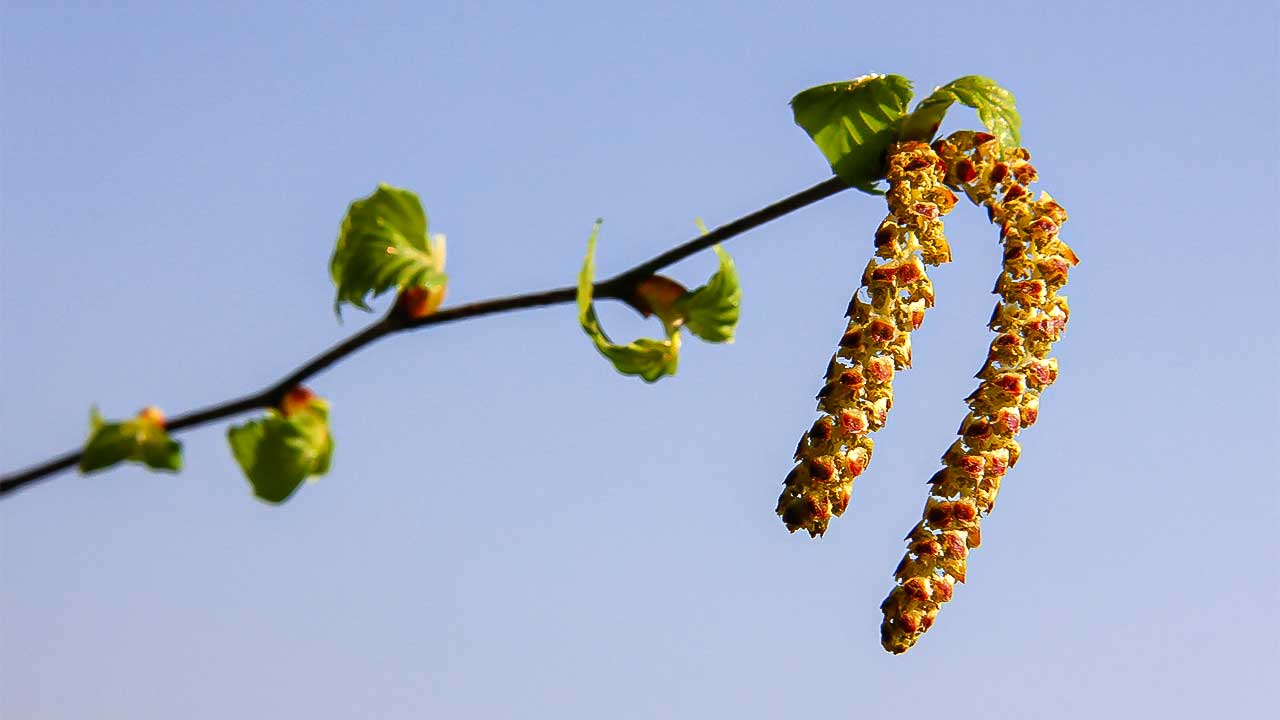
(995, 106)
(647, 357)
(711, 311)
(278, 452)
(142, 439)
(383, 244)
(854, 122)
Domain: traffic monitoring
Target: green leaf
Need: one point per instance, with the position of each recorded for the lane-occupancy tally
(383, 244)
(995, 106)
(141, 440)
(711, 311)
(277, 453)
(649, 358)
(854, 122)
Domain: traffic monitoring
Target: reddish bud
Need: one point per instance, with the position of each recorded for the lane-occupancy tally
(152, 414)
(296, 400)
(418, 302)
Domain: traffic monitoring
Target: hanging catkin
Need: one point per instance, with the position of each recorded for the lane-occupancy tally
(890, 304)
(1029, 317)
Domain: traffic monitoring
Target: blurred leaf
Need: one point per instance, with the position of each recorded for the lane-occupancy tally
(383, 244)
(648, 358)
(711, 311)
(142, 440)
(854, 122)
(277, 452)
(995, 106)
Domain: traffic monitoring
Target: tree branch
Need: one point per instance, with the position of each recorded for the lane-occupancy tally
(618, 287)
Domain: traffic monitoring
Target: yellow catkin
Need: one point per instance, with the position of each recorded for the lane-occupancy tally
(1028, 318)
(858, 388)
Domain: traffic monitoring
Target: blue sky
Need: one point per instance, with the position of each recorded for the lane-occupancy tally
(510, 529)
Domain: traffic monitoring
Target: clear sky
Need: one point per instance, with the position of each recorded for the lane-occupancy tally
(511, 529)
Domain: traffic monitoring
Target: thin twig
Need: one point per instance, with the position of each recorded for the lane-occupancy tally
(617, 287)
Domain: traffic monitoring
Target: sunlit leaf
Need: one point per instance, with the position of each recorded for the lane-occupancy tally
(383, 245)
(854, 122)
(711, 311)
(648, 358)
(995, 106)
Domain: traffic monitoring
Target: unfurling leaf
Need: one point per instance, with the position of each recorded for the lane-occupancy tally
(279, 451)
(383, 244)
(854, 122)
(649, 358)
(142, 440)
(711, 311)
(995, 106)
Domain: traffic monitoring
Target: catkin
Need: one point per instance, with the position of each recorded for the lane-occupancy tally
(858, 387)
(1029, 317)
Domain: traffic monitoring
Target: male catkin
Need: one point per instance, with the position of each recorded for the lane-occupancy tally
(1029, 317)
(890, 303)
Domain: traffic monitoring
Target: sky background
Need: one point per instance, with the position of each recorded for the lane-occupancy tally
(512, 530)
